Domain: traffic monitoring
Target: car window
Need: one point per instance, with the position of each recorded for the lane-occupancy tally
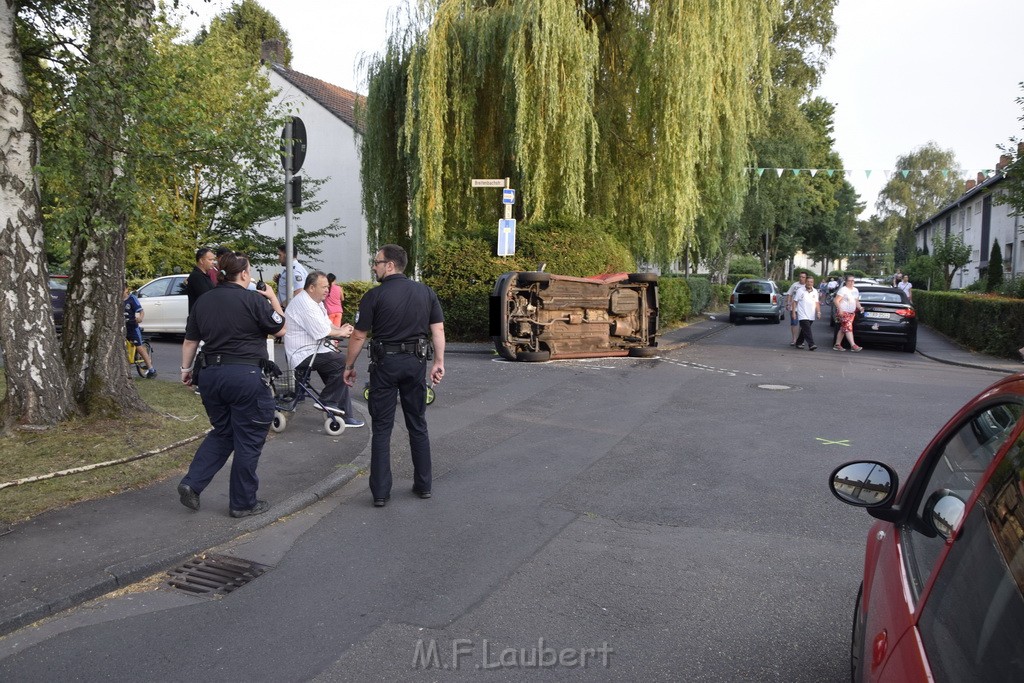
(957, 468)
(881, 297)
(972, 621)
(178, 287)
(154, 288)
(58, 283)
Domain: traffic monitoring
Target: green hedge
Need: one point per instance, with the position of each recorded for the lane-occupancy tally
(674, 300)
(989, 324)
(354, 291)
(733, 278)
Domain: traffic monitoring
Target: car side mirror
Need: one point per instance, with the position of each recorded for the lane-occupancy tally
(943, 513)
(864, 484)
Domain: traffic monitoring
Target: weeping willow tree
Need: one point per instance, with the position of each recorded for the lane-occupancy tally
(633, 111)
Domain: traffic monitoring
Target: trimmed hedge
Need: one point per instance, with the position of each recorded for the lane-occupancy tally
(354, 291)
(675, 303)
(989, 324)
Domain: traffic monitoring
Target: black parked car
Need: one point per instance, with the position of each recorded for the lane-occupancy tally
(58, 294)
(888, 318)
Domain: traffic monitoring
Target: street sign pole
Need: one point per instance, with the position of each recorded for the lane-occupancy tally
(286, 279)
(507, 225)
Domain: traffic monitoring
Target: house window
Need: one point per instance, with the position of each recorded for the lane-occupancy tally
(1008, 260)
(970, 218)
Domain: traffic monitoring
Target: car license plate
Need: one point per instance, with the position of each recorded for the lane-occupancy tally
(876, 314)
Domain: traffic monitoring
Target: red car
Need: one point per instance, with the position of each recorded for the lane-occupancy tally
(943, 591)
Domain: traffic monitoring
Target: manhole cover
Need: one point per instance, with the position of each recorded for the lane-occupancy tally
(214, 574)
(775, 387)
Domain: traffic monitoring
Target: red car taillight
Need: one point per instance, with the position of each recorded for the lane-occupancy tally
(775, 299)
(906, 312)
(732, 299)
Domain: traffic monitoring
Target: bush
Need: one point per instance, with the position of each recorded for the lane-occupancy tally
(989, 324)
(925, 273)
(733, 278)
(1014, 287)
(995, 268)
(745, 263)
(674, 300)
(354, 292)
(720, 297)
(700, 294)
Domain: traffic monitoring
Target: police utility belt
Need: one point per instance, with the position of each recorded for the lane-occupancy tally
(421, 348)
(224, 359)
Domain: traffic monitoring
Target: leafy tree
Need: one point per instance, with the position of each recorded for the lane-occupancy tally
(951, 254)
(994, 277)
(908, 200)
(639, 113)
(252, 24)
(1013, 183)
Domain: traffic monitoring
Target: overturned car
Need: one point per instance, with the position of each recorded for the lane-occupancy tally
(535, 315)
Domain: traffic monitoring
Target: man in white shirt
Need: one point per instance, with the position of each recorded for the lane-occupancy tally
(308, 325)
(807, 308)
(790, 293)
(289, 287)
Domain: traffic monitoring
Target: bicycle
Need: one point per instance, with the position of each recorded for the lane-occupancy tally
(136, 358)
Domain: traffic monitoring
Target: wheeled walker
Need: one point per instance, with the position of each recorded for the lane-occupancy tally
(293, 387)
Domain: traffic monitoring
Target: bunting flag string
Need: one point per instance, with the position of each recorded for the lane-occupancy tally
(889, 173)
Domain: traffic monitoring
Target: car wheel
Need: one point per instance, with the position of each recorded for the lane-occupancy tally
(643, 351)
(777, 319)
(643, 277)
(911, 344)
(857, 639)
(334, 426)
(528, 276)
(533, 356)
(732, 318)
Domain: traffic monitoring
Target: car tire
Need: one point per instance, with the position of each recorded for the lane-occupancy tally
(643, 277)
(533, 356)
(530, 276)
(643, 351)
(857, 639)
(911, 344)
(732, 318)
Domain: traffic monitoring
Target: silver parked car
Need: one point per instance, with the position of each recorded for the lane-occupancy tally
(166, 304)
(756, 299)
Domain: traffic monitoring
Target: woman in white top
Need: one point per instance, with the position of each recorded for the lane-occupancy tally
(906, 287)
(847, 303)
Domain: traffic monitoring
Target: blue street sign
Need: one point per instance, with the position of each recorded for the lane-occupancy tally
(507, 237)
(508, 196)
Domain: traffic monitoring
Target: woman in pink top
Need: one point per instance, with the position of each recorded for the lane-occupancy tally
(335, 295)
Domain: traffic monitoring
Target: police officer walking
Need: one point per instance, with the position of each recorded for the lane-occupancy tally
(234, 322)
(405, 319)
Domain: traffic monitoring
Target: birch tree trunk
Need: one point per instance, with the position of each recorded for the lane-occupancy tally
(112, 93)
(37, 383)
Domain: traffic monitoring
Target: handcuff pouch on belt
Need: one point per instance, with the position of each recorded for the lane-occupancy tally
(421, 348)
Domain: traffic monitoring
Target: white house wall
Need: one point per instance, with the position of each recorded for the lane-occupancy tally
(331, 154)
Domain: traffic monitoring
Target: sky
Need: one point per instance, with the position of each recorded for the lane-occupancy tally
(904, 72)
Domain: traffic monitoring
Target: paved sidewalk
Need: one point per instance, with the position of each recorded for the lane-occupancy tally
(64, 557)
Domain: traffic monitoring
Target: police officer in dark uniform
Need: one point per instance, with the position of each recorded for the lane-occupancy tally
(234, 322)
(405, 319)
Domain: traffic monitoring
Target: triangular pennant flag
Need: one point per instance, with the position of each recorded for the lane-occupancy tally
(830, 172)
(848, 172)
(796, 171)
(780, 171)
(905, 173)
(867, 173)
(760, 172)
(945, 173)
(887, 173)
(924, 172)
(814, 172)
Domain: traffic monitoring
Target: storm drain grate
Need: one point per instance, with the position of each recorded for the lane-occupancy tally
(214, 574)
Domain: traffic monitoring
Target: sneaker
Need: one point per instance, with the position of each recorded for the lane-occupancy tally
(837, 347)
(354, 422)
(422, 494)
(798, 346)
(857, 348)
(812, 348)
(151, 373)
(259, 508)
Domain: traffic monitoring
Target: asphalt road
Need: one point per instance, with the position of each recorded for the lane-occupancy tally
(655, 519)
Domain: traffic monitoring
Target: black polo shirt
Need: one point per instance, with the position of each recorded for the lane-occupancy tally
(197, 284)
(398, 310)
(234, 321)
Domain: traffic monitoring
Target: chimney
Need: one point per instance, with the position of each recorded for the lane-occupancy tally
(1020, 149)
(981, 177)
(1004, 161)
(272, 51)
(969, 186)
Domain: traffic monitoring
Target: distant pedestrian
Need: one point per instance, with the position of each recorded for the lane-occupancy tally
(906, 287)
(199, 282)
(794, 323)
(897, 278)
(335, 297)
(847, 304)
(807, 307)
(407, 325)
(234, 322)
(133, 315)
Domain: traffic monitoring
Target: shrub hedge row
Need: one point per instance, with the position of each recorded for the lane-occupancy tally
(989, 324)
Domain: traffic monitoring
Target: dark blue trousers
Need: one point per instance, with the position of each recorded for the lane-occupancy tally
(241, 409)
(401, 375)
